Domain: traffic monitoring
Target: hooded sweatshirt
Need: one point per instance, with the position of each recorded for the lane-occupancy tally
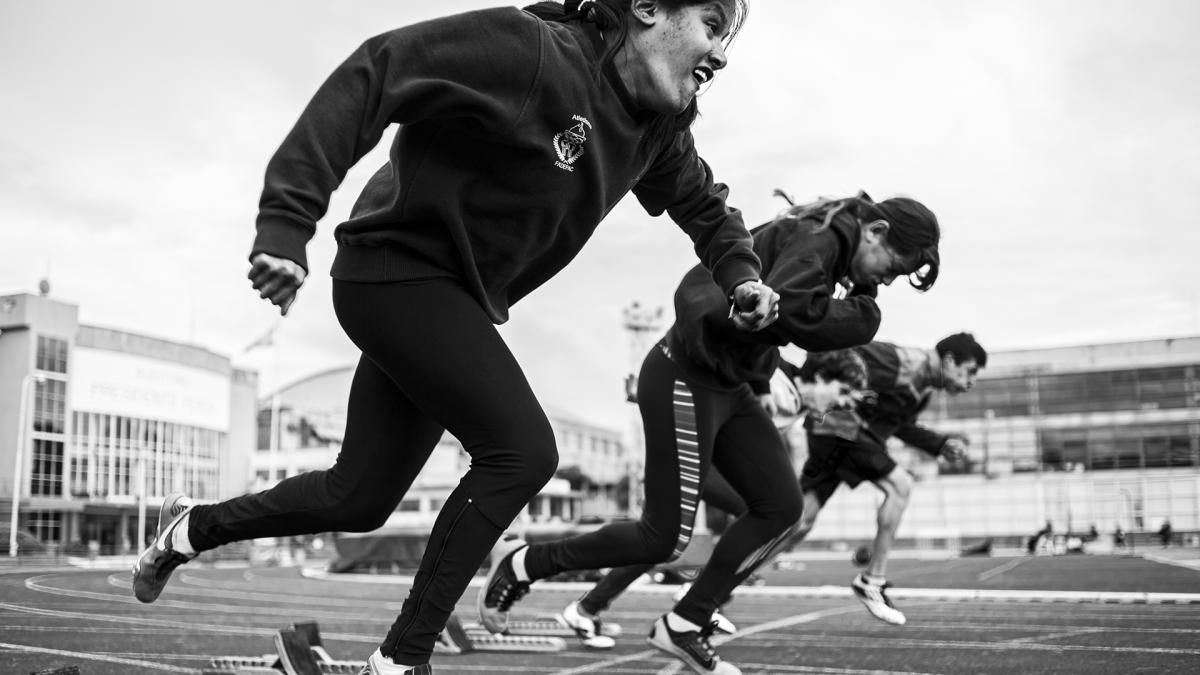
(511, 148)
(803, 260)
(902, 379)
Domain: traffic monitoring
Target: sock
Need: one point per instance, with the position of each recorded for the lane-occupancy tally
(179, 537)
(588, 608)
(873, 579)
(518, 564)
(386, 666)
(584, 611)
(679, 624)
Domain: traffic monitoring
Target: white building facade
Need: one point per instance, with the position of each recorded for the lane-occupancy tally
(97, 425)
(311, 418)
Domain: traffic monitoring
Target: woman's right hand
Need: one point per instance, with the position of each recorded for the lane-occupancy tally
(276, 279)
(754, 306)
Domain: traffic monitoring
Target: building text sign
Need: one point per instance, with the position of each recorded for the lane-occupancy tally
(116, 383)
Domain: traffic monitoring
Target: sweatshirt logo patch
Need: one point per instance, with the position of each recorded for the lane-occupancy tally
(568, 144)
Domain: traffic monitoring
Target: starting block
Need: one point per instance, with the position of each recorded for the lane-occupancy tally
(460, 638)
(545, 626)
(302, 646)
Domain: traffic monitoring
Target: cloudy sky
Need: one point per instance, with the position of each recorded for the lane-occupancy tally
(1057, 140)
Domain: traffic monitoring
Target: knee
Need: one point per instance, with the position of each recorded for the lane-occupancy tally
(808, 516)
(899, 486)
(784, 511)
(526, 462)
(537, 465)
(362, 517)
(659, 546)
(792, 510)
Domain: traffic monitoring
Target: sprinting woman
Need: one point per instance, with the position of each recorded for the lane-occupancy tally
(518, 131)
(698, 395)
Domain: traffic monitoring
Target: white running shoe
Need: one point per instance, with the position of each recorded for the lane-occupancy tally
(874, 597)
(691, 647)
(722, 624)
(378, 664)
(155, 564)
(588, 628)
(501, 587)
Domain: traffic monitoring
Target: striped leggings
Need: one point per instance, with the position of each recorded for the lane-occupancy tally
(690, 428)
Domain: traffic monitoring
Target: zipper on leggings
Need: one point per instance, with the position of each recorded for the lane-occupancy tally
(433, 572)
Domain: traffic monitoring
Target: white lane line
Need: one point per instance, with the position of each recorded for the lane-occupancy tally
(192, 586)
(1047, 637)
(877, 642)
(606, 665)
(180, 625)
(1001, 569)
(1191, 564)
(286, 608)
(824, 670)
(98, 657)
(673, 668)
(830, 591)
(993, 627)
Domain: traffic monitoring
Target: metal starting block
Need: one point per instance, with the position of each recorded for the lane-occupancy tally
(542, 626)
(307, 654)
(460, 638)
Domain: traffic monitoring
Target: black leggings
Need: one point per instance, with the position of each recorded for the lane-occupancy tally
(688, 429)
(717, 492)
(431, 361)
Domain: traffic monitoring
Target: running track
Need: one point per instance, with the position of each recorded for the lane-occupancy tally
(1069, 615)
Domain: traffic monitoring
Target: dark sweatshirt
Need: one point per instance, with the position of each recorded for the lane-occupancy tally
(802, 260)
(510, 152)
(899, 377)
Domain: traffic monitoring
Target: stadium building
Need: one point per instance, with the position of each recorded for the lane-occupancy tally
(97, 425)
(301, 426)
(309, 417)
(1104, 435)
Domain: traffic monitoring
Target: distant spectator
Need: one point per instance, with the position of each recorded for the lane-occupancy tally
(1042, 534)
(1119, 537)
(1164, 533)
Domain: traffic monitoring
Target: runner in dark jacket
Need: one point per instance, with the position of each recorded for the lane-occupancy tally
(850, 446)
(699, 408)
(518, 132)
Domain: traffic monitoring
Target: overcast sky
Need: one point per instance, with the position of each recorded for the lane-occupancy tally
(1057, 140)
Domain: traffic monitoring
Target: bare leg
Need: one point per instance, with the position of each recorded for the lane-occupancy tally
(896, 487)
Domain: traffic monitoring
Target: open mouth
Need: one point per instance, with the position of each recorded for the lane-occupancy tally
(702, 74)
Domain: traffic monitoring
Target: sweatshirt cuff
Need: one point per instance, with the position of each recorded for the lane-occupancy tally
(282, 239)
(734, 273)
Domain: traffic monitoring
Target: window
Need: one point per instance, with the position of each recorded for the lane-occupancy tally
(50, 406)
(1133, 446)
(46, 526)
(46, 469)
(105, 451)
(51, 354)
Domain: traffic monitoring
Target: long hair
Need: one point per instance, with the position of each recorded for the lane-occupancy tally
(609, 16)
(913, 231)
